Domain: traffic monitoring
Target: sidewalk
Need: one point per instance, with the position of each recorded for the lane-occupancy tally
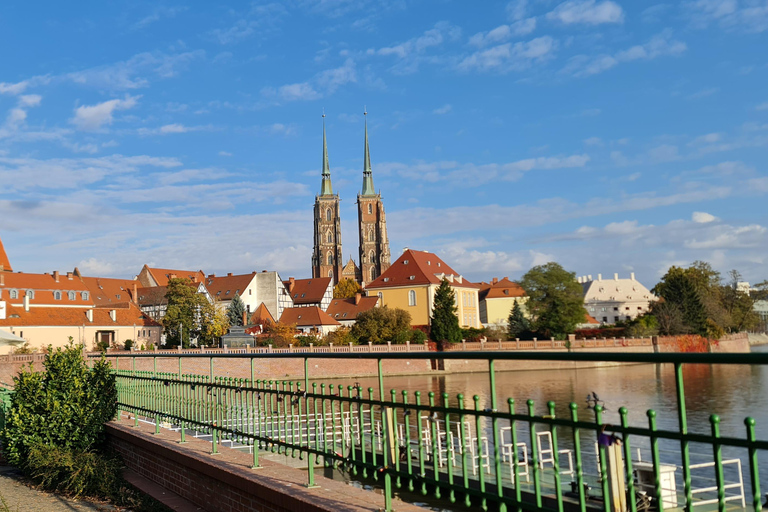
(21, 498)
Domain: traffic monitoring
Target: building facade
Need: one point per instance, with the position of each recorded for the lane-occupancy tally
(327, 255)
(497, 299)
(615, 300)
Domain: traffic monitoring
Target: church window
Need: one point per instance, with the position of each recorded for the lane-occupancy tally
(370, 208)
(412, 298)
(373, 273)
(328, 214)
(330, 259)
(329, 238)
(330, 273)
(373, 257)
(370, 235)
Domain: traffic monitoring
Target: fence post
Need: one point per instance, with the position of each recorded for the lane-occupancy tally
(290, 347)
(535, 343)
(463, 344)
(407, 346)
(389, 346)
(517, 343)
(552, 340)
(270, 347)
(350, 346)
(370, 346)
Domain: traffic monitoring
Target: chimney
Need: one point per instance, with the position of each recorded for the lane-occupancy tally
(113, 315)
(405, 249)
(171, 276)
(211, 275)
(69, 275)
(615, 276)
(599, 277)
(26, 302)
(135, 292)
(632, 276)
(263, 271)
(56, 275)
(245, 318)
(495, 280)
(358, 298)
(291, 284)
(229, 274)
(578, 279)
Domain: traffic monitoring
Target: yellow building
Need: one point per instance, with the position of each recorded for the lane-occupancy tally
(410, 284)
(497, 299)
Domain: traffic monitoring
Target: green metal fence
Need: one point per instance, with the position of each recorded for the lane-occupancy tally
(499, 455)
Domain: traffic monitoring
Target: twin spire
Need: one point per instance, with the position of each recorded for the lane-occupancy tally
(326, 187)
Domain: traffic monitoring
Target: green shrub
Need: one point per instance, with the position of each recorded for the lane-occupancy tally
(128, 344)
(418, 336)
(472, 333)
(72, 472)
(66, 406)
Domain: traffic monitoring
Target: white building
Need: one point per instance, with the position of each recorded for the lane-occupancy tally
(613, 300)
(254, 289)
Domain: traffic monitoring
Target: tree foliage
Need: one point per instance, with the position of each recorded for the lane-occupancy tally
(214, 323)
(183, 316)
(279, 334)
(555, 302)
(236, 310)
(341, 336)
(66, 406)
(517, 324)
(346, 289)
(380, 325)
(445, 323)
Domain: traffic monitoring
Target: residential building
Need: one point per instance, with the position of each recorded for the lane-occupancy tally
(497, 299)
(613, 300)
(152, 300)
(309, 319)
(254, 289)
(327, 255)
(345, 311)
(310, 292)
(410, 284)
(372, 224)
(149, 277)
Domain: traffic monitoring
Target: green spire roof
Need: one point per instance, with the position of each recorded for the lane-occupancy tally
(326, 189)
(368, 189)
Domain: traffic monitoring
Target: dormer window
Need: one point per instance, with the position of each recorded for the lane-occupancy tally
(386, 279)
(438, 263)
(227, 293)
(14, 294)
(84, 295)
(71, 295)
(57, 295)
(412, 278)
(31, 294)
(405, 262)
(117, 296)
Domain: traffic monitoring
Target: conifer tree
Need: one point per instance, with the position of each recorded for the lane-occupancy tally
(518, 324)
(235, 310)
(445, 323)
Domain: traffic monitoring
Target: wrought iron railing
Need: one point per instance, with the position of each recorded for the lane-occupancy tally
(495, 455)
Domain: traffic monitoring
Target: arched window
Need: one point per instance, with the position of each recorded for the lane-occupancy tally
(370, 208)
(31, 294)
(57, 295)
(71, 295)
(381, 296)
(373, 273)
(412, 298)
(329, 237)
(14, 294)
(373, 257)
(84, 295)
(330, 258)
(370, 235)
(328, 214)
(330, 273)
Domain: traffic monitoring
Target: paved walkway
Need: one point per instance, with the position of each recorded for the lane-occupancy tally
(20, 498)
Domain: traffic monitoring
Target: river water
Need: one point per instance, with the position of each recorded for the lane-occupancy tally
(731, 391)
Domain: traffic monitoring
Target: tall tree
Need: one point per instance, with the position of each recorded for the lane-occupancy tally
(517, 323)
(380, 325)
(445, 323)
(235, 310)
(555, 300)
(347, 288)
(214, 323)
(685, 288)
(182, 317)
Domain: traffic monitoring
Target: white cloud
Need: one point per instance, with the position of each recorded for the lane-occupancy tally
(93, 117)
(411, 53)
(589, 12)
(18, 115)
(442, 110)
(300, 91)
(663, 153)
(659, 45)
(762, 106)
(503, 33)
(517, 9)
(225, 153)
(17, 88)
(322, 84)
(702, 217)
(593, 141)
(170, 129)
(508, 57)
(135, 72)
(750, 16)
(703, 93)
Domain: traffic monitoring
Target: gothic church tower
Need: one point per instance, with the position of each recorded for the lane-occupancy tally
(326, 257)
(372, 224)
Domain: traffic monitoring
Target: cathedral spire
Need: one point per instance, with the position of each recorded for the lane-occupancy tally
(368, 189)
(326, 189)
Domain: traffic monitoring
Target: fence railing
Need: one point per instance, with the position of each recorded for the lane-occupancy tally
(497, 454)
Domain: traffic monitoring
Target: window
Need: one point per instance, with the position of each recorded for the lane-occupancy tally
(328, 214)
(616, 309)
(615, 319)
(71, 295)
(381, 295)
(370, 208)
(227, 293)
(373, 257)
(330, 259)
(605, 319)
(370, 235)
(31, 294)
(627, 308)
(330, 273)
(14, 294)
(84, 295)
(412, 298)
(117, 296)
(373, 273)
(329, 238)
(57, 295)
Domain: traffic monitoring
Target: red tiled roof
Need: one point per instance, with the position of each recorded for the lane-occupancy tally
(309, 316)
(589, 319)
(308, 291)
(417, 268)
(44, 287)
(162, 275)
(503, 288)
(224, 287)
(108, 292)
(126, 314)
(4, 261)
(348, 309)
(262, 316)
(151, 296)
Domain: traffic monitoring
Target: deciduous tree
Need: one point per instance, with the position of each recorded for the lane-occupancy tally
(380, 325)
(346, 289)
(182, 318)
(555, 301)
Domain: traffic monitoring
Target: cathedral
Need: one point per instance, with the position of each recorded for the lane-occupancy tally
(371, 226)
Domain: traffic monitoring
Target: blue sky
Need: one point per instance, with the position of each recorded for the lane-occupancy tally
(608, 136)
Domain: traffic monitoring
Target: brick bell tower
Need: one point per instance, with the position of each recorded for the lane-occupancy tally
(372, 224)
(326, 256)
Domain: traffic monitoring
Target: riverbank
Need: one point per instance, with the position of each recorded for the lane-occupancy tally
(756, 339)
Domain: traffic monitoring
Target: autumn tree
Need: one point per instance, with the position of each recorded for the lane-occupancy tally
(214, 323)
(380, 325)
(445, 323)
(235, 310)
(184, 312)
(346, 289)
(555, 301)
(279, 334)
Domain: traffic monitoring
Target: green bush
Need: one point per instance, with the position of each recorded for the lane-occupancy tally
(73, 472)
(472, 333)
(418, 336)
(128, 344)
(65, 407)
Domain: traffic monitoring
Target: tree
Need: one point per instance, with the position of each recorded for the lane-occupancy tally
(682, 289)
(182, 318)
(346, 289)
(555, 301)
(445, 323)
(214, 323)
(341, 336)
(235, 310)
(380, 325)
(517, 323)
(279, 334)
